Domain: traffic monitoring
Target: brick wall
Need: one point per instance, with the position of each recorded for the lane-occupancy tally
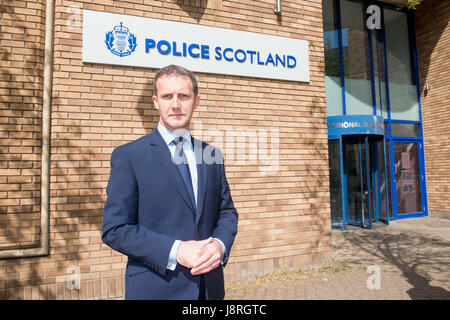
(21, 66)
(433, 42)
(284, 215)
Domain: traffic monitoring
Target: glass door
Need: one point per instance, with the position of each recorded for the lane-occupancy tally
(365, 176)
(334, 154)
(407, 183)
(356, 171)
(382, 183)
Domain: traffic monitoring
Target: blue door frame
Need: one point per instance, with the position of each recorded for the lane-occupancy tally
(371, 170)
(388, 140)
(362, 219)
(423, 196)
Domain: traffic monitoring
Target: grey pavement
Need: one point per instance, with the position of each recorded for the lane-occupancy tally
(409, 259)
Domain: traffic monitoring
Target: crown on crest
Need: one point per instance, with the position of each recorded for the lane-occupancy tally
(121, 31)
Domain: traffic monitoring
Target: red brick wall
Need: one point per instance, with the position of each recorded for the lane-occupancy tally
(284, 220)
(433, 45)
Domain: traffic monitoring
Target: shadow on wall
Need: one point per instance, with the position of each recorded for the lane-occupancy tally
(149, 116)
(428, 34)
(420, 258)
(21, 89)
(320, 185)
(195, 8)
(79, 165)
(21, 106)
(88, 149)
(83, 135)
(82, 143)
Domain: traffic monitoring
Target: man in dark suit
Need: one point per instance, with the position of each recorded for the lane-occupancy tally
(169, 207)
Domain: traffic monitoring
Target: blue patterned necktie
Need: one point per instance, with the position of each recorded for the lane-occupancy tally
(181, 162)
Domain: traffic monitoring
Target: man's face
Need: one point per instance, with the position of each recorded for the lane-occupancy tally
(176, 102)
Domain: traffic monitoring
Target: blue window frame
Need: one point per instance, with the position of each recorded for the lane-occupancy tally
(383, 90)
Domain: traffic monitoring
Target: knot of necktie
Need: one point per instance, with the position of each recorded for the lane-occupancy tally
(178, 140)
(179, 156)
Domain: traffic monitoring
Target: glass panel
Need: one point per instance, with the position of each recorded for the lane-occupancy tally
(332, 59)
(354, 182)
(382, 182)
(405, 129)
(386, 129)
(374, 177)
(335, 181)
(407, 177)
(379, 73)
(402, 83)
(367, 192)
(358, 190)
(356, 56)
(388, 177)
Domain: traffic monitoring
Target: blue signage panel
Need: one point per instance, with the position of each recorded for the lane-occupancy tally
(342, 125)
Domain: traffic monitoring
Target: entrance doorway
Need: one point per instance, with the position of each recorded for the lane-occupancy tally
(365, 177)
(409, 181)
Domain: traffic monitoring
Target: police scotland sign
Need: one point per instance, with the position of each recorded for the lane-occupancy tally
(143, 42)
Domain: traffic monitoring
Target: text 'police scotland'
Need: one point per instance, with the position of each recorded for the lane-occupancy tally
(202, 51)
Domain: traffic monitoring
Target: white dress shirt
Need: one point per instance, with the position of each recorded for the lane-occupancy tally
(188, 150)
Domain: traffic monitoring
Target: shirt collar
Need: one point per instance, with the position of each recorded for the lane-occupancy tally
(169, 135)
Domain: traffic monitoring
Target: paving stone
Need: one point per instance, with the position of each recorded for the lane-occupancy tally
(411, 256)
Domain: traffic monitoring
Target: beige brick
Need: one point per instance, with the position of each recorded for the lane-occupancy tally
(432, 37)
(98, 107)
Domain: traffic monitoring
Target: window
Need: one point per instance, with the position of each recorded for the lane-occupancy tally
(368, 71)
(402, 83)
(332, 59)
(356, 56)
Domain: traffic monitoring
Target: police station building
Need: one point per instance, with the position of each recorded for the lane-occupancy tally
(329, 113)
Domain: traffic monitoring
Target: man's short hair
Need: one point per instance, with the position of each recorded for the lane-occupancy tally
(177, 71)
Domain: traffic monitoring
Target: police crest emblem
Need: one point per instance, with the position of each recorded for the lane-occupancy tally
(120, 41)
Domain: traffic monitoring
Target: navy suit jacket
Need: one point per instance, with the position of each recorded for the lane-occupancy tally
(148, 207)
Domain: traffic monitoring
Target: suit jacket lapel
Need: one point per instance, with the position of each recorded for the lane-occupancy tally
(162, 153)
